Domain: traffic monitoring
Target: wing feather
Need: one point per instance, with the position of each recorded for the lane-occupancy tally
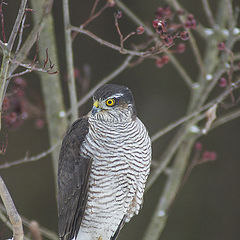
(73, 175)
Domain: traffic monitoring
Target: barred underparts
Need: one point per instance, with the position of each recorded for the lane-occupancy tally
(117, 150)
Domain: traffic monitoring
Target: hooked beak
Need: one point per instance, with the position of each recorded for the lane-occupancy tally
(96, 108)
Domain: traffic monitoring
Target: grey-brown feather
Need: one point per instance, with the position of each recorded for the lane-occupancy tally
(73, 175)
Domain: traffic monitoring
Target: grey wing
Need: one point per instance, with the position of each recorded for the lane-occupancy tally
(73, 176)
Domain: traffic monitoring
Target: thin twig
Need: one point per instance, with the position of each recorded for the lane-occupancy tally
(97, 14)
(26, 222)
(226, 118)
(17, 23)
(115, 47)
(105, 80)
(20, 34)
(12, 213)
(8, 224)
(192, 40)
(70, 67)
(2, 21)
(32, 37)
(186, 78)
(94, 8)
(34, 68)
(35, 230)
(208, 13)
(177, 141)
(19, 74)
(231, 19)
(28, 159)
(119, 31)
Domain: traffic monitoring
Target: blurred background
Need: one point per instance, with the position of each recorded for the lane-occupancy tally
(207, 207)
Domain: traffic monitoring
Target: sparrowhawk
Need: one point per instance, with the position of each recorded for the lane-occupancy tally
(103, 167)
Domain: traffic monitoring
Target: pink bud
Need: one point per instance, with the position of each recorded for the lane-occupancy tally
(184, 35)
(181, 47)
(198, 146)
(140, 30)
(221, 46)
(222, 82)
(165, 59)
(119, 14)
(159, 63)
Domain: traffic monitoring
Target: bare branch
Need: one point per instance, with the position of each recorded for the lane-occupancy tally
(2, 21)
(117, 48)
(28, 159)
(13, 215)
(45, 232)
(175, 4)
(35, 230)
(181, 135)
(69, 57)
(208, 12)
(97, 14)
(17, 23)
(21, 33)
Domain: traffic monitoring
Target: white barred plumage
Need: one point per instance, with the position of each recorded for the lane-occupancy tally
(120, 149)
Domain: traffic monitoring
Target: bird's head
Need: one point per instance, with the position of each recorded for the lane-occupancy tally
(114, 103)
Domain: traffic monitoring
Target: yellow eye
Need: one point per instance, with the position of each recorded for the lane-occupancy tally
(110, 102)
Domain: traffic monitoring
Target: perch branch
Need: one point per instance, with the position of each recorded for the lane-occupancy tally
(12, 213)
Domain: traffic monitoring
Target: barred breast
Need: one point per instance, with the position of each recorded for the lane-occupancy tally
(121, 153)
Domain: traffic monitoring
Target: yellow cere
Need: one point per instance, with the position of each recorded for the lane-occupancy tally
(110, 102)
(96, 104)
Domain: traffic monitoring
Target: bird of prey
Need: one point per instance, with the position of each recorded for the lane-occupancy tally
(103, 167)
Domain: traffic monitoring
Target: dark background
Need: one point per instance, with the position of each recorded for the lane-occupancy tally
(208, 205)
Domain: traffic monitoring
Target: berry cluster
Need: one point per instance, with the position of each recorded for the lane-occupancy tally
(17, 108)
(161, 61)
(167, 26)
(206, 155)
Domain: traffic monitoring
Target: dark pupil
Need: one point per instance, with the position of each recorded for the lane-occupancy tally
(110, 102)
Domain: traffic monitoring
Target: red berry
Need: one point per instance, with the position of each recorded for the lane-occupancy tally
(222, 82)
(198, 146)
(184, 35)
(190, 17)
(155, 23)
(140, 30)
(181, 47)
(6, 104)
(39, 123)
(180, 12)
(165, 59)
(76, 73)
(111, 3)
(20, 82)
(206, 155)
(221, 46)
(168, 40)
(159, 63)
(212, 156)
